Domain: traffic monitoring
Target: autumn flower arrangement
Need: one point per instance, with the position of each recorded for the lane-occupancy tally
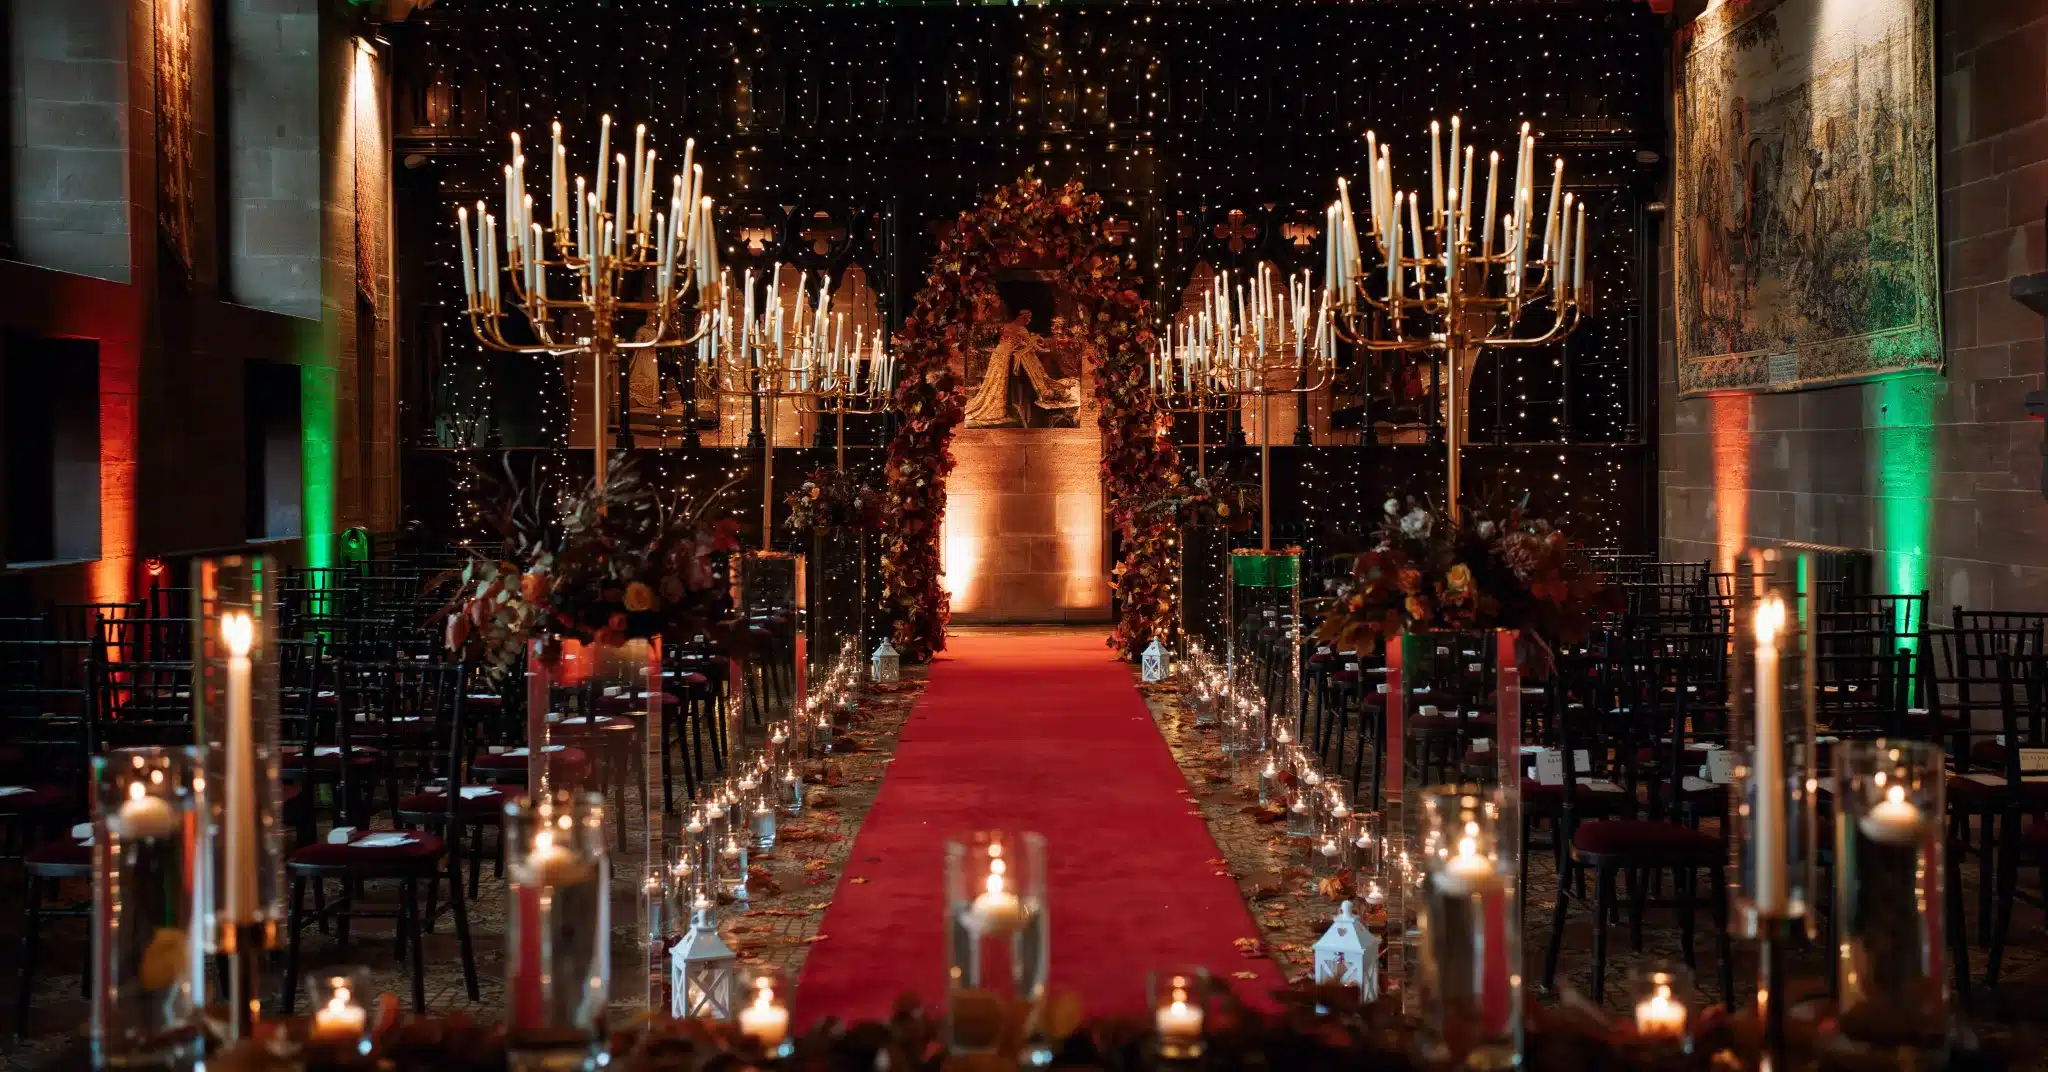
(1028, 222)
(1494, 567)
(834, 500)
(614, 562)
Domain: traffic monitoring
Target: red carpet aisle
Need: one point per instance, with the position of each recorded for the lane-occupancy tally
(1033, 730)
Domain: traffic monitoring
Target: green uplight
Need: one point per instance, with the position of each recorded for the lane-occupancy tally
(317, 460)
(1902, 460)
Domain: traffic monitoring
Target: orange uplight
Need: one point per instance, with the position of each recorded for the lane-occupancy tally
(1730, 432)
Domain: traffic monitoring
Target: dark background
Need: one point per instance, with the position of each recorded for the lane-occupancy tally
(1215, 133)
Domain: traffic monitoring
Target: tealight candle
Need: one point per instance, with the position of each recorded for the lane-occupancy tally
(766, 1021)
(341, 1019)
(997, 911)
(145, 816)
(1467, 872)
(550, 864)
(1660, 1015)
(1179, 1021)
(1893, 820)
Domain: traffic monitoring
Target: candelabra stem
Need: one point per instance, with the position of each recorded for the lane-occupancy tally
(1454, 424)
(1265, 471)
(1302, 435)
(839, 412)
(1202, 439)
(691, 438)
(600, 350)
(767, 475)
(622, 376)
(754, 437)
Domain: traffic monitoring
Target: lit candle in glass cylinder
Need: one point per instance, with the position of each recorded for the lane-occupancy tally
(1470, 945)
(761, 820)
(558, 964)
(148, 976)
(1177, 1016)
(1659, 1014)
(997, 949)
(793, 790)
(340, 1020)
(732, 867)
(766, 1019)
(1891, 946)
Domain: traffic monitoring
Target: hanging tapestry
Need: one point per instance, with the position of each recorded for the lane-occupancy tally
(1807, 250)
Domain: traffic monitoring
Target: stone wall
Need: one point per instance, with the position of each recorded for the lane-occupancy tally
(67, 81)
(272, 134)
(1940, 472)
(177, 457)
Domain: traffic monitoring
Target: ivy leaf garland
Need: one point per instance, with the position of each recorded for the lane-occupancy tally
(1026, 222)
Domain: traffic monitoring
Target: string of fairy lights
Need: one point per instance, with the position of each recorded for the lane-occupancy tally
(1176, 114)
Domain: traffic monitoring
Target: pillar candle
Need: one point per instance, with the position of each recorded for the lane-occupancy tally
(1550, 221)
(604, 154)
(1436, 174)
(1579, 256)
(468, 265)
(558, 188)
(1486, 227)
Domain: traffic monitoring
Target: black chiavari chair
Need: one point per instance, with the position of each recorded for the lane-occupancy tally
(354, 856)
(1966, 700)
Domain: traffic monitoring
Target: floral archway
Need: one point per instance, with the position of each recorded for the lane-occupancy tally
(1026, 222)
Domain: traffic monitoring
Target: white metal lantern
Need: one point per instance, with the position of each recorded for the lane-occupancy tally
(1154, 662)
(1349, 955)
(888, 665)
(701, 972)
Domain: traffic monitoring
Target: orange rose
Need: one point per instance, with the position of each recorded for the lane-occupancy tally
(639, 597)
(533, 587)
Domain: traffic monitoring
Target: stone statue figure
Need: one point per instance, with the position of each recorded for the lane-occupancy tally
(1019, 349)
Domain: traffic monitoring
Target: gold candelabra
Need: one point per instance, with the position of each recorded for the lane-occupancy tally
(772, 350)
(1453, 293)
(1237, 345)
(625, 268)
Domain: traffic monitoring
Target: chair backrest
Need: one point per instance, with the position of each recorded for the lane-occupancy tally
(2022, 684)
(145, 640)
(1964, 677)
(80, 621)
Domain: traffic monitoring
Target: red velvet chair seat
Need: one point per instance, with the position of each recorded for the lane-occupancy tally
(328, 757)
(39, 799)
(1587, 795)
(420, 851)
(1643, 837)
(1970, 791)
(60, 856)
(474, 805)
(1447, 724)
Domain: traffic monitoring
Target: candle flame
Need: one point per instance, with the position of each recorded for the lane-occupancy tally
(764, 994)
(1770, 618)
(237, 632)
(995, 882)
(1896, 794)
